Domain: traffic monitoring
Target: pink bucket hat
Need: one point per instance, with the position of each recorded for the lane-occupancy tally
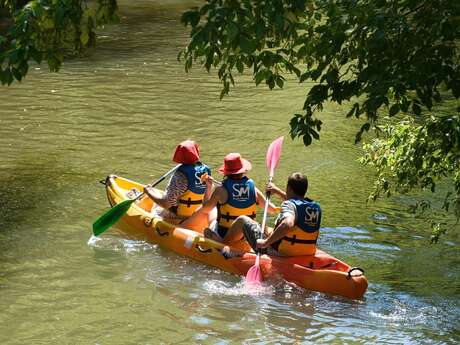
(234, 164)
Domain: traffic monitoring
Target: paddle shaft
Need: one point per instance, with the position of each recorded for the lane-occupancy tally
(271, 159)
(216, 182)
(159, 180)
(267, 201)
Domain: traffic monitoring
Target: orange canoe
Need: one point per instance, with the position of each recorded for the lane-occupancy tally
(321, 272)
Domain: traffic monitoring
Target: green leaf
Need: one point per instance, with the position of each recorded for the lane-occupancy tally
(300, 5)
(247, 46)
(204, 9)
(405, 105)
(191, 17)
(84, 38)
(7, 76)
(394, 109)
(307, 139)
(354, 110)
(416, 109)
(259, 76)
(232, 31)
(314, 134)
(239, 66)
(304, 76)
(279, 81)
(315, 74)
(455, 86)
(59, 16)
(17, 74)
(364, 128)
(260, 29)
(48, 23)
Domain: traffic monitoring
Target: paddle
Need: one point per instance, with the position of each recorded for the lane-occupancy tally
(115, 213)
(254, 275)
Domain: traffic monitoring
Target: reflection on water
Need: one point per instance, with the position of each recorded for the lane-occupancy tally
(122, 109)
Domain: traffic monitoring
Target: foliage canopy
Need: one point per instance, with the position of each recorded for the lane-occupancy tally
(387, 60)
(47, 30)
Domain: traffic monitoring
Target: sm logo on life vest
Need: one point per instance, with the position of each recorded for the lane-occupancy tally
(240, 192)
(311, 216)
(198, 182)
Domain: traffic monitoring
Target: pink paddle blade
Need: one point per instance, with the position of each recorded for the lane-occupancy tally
(254, 275)
(273, 155)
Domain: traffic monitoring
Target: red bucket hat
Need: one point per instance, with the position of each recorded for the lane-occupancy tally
(187, 152)
(234, 164)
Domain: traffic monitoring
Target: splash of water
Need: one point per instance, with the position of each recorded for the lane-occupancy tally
(218, 287)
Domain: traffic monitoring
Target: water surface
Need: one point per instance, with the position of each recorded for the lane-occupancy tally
(121, 109)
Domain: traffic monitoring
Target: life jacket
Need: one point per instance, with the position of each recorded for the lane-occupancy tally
(193, 196)
(301, 240)
(241, 201)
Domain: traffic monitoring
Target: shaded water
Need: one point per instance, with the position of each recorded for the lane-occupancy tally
(122, 109)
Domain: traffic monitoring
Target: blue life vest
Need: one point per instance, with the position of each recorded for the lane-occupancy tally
(193, 196)
(241, 201)
(241, 193)
(193, 172)
(302, 238)
(308, 214)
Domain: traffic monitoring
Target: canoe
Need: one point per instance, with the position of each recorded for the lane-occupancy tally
(320, 272)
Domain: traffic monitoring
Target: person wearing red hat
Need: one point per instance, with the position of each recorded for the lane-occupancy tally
(235, 198)
(185, 191)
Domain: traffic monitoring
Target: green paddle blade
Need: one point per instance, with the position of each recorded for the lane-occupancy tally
(111, 217)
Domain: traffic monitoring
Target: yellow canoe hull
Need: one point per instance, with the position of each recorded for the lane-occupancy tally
(321, 272)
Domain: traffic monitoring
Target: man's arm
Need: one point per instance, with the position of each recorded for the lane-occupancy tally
(278, 233)
(275, 190)
(261, 201)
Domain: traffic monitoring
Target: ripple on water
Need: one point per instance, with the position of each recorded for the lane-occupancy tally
(354, 240)
(209, 301)
(380, 216)
(119, 244)
(386, 307)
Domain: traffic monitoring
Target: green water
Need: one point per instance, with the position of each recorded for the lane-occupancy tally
(122, 109)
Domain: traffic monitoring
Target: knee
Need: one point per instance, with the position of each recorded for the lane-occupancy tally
(243, 219)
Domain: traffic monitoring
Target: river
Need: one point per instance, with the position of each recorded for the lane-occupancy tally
(121, 109)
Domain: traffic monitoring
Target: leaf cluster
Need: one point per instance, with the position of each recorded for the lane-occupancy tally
(47, 30)
(391, 55)
(240, 35)
(410, 155)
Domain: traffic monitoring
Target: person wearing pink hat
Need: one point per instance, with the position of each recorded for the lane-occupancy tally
(235, 199)
(185, 191)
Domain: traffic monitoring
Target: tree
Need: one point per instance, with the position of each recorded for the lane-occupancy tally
(393, 62)
(47, 30)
